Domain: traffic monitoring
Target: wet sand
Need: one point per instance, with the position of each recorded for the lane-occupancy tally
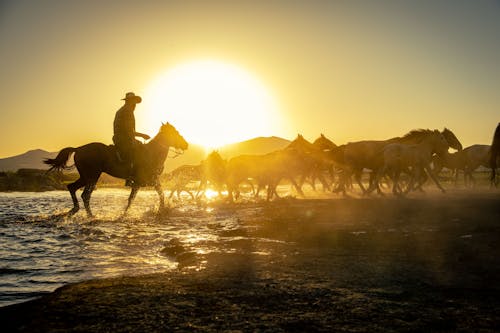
(425, 263)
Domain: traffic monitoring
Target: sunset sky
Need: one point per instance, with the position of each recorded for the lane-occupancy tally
(352, 70)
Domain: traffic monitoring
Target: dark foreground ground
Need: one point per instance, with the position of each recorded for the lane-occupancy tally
(424, 264)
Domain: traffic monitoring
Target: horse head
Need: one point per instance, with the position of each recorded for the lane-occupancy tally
(214, 167)
(440, 142)
(323, 143)
(301, 144)
(169, 136)
(453, 141)
(214, 156)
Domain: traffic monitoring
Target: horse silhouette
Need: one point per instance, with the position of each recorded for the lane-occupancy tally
(316, 159)
(368, 154)
(398, 157)
(494, 154)
(213, 171)
(455, 162)
(95, 158)
(179, 178)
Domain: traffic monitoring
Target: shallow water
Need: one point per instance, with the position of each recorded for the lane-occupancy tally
(41, 251)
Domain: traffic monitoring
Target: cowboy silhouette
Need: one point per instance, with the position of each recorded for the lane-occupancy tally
(124, 131)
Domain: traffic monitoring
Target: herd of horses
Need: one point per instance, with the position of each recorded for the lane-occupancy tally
(405, 162)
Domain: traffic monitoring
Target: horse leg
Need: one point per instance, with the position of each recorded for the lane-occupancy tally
(269, 192)
(375, 177)
(259, 188)
(202, 188)
(161, 195)
(297, 187)
(342, 182)
(172, 191)
(72, 188)
(414, 175)
(131, 197)
(326, 186)
(87, 192)
(357, 176)
(421, 180)
(430, 174)
(396, 189)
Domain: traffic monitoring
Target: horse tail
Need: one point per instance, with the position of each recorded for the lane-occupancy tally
(59, 163)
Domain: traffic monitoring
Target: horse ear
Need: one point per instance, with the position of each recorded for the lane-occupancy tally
(162, 123)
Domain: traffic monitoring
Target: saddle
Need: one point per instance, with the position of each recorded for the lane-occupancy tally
(140, 172)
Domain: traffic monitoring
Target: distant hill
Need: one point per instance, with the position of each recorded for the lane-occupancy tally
(33, 159)
(256, 146)
(195, 154)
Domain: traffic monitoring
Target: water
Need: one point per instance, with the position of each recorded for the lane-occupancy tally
(41, 251)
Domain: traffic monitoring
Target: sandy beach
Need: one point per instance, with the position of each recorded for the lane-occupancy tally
(425, 263)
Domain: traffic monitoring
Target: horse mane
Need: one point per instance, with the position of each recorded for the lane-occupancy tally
(416, 135)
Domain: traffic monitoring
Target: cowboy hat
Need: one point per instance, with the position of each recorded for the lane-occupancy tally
(130, 96)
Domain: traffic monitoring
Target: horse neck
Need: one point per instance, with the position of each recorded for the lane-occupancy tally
(428, 145)
(159, 151)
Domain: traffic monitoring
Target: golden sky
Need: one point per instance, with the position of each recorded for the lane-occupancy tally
(352, 70)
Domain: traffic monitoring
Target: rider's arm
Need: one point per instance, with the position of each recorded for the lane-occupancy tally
(142, 135)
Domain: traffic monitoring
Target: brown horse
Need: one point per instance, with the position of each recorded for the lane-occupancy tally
(368, 155)
(494, 154)
(95, 158)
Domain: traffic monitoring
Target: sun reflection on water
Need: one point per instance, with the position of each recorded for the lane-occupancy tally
(45, 251)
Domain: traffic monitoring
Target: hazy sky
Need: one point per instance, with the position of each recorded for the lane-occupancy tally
(352, 70)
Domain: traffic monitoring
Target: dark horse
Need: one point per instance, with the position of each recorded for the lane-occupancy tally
(494, 154)
(95, 158)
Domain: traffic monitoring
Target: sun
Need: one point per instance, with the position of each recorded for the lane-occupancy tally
(211, 103)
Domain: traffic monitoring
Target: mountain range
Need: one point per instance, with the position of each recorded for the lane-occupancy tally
(33, 159)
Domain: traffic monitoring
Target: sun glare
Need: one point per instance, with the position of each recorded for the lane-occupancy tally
(211, 103)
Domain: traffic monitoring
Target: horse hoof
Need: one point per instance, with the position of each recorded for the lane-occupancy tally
(73, 211)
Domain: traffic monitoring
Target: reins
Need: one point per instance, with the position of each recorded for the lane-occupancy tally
(178, 152)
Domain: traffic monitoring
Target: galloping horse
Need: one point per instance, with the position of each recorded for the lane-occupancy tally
(455, 162)
(494, 154)
(264, 171)
(95, 158)
(475, 156)
(315, 160)
(329, 149)
(367, 155)
(179, 178)
(400, 157)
